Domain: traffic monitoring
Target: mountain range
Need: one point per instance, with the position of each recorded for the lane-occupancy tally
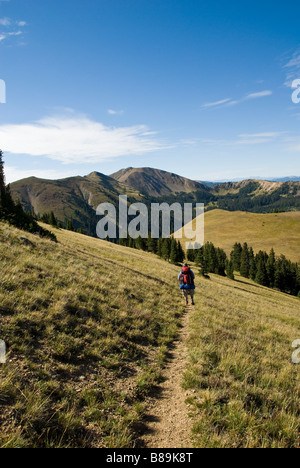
(76, 198)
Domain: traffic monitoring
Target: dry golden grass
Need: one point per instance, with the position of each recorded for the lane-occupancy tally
(246, 387)
(260, 231)
(87, 326)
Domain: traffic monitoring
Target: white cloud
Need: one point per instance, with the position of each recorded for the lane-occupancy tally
(217, 103)
(14, 28)
(115, 112)
(246, 139)
(258, 95)
(263, 135)
(17, 33)
(229, 102)
(5, 21)
(76, 139)
(292, 68)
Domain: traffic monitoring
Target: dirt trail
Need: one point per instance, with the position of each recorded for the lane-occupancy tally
(168, 422)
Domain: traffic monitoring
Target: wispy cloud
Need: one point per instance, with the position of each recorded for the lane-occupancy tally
(217, 103)
(77, 139)
(5, 22)
(229, 102)
(259, 95)
(292, 68)
(10, 28)
(115, 112)
(246, 139)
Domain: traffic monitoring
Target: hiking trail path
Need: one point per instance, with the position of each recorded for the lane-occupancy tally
(168, 424)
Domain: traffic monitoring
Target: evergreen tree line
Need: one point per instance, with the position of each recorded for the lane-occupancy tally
(167, 249)
(267, 269)
(49, 218)
(211, 259)
(13, 212)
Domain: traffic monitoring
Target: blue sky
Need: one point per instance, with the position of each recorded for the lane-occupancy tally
(200, 88)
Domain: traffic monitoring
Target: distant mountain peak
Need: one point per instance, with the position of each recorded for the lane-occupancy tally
(156, 182)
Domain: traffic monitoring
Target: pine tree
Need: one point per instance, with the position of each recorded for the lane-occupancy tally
(221, 262)
(191, 255)
(166, 249)
(52, 219)
(159, 247)
(261, 275)
(245, 262)
(141, 243)
(70, 226)
(181, 253)
(14, 213)
(210, 255)
(174, 252)
(151, 244)
(229, 269)
(199, 257)
(271, 267)
(235, 256)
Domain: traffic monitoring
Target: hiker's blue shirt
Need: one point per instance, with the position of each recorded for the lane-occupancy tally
(187, 286)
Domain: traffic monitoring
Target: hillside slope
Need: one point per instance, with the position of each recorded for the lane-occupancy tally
(88, 325)
(73, 198)
(76, 198)
(157, 183)
(245, 388)
(260, 231)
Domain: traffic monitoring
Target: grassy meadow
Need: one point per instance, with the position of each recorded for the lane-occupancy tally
(246, 389)
(260, 231)
(88, 325)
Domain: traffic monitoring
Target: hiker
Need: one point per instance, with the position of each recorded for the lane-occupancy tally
(187, 283)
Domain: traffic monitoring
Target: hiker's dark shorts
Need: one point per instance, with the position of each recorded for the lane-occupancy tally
(188, 292)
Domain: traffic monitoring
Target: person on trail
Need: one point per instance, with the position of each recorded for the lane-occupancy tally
(187, 283)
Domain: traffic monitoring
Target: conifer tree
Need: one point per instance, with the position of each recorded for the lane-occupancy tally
(261, 275)
(166, 249)
(14, 213)
(151, 244)
(245, 261)
(174, 252)
(52, 219)
(181, 253)
(191, 255)
(271, 267)
(229, 269)
(70, 226)
(236, 256)
(159, 247)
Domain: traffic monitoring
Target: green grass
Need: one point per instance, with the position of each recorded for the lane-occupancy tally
(87, 325)
(245, 387)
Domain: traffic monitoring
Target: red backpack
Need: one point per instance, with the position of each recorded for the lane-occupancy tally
(187, 276)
